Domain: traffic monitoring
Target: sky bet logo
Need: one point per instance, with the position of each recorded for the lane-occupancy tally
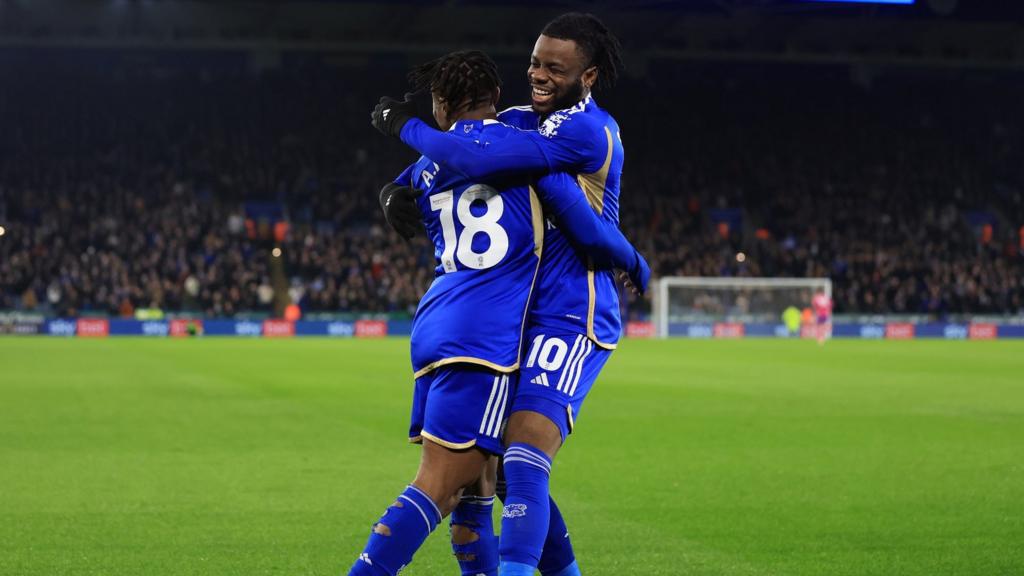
(248, 329)
(155, 329)
(61, 328)
(341, 329)
(955, 332)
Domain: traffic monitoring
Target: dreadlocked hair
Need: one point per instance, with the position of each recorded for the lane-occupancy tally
(464, 79)
(592, 37)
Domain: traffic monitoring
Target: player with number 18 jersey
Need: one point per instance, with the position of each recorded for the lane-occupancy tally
(487, 245)
(574, 324)
(488, 241)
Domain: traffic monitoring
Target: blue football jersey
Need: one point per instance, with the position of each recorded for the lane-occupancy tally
(487, 241)
(570, 294)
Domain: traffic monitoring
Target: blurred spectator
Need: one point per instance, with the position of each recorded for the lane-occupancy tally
(123, 190)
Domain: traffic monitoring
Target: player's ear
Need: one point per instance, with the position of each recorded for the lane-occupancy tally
(496, 96)
(590, 77)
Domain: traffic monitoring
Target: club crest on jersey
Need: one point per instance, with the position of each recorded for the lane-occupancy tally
(514, 511)
(550, 126)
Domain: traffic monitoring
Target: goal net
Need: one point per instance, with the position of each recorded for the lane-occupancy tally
(729, 307)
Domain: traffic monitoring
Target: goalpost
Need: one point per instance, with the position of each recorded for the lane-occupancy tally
(687, 303)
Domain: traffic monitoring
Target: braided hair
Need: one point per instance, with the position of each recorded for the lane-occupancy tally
(463, 80)
(599, 46)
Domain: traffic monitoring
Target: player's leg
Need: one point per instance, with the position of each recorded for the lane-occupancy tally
(472, 526)
(553, 384)
(450, 407)
(406, 524)
(558, 557)
(533, 440)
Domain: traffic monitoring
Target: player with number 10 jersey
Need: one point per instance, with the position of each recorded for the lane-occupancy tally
(580, 307)
(488, 241)
(575, 323)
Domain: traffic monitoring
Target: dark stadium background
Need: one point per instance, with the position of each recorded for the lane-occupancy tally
(208, 168)
(155, 154)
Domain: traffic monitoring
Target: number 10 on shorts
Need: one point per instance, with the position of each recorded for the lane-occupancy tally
(552, 354)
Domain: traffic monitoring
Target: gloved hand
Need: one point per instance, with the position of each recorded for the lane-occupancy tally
(400, 210)
(390, 115)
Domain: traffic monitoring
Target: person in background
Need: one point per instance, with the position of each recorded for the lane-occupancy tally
(822, 305)
(791, 318)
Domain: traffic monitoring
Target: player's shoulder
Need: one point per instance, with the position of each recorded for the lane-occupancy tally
(520, 117)
(477, 129)
(423, 163)
(424, 174)
(579, 121)
(497, 128)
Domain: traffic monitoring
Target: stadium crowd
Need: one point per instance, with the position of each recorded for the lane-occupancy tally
(121, 191)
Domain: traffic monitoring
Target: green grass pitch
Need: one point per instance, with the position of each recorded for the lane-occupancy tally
(247, 457)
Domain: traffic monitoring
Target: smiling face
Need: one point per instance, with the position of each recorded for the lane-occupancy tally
(559, 75)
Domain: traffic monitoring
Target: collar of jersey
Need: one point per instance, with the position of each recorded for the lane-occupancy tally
(474, 123)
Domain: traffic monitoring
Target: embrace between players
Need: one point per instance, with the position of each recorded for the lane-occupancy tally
(522, 209)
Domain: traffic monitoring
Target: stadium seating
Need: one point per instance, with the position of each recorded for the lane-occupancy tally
(123, 189)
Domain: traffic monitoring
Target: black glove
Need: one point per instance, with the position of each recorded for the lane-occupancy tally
(400, 210)
(390, 115)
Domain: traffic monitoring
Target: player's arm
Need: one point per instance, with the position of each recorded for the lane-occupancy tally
(519, 152)
(514, 152)
(598, 238)
(398, 201)
(567, 146)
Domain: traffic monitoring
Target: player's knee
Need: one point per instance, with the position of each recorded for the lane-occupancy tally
(501, 489)
(448, 505)
(535, 429)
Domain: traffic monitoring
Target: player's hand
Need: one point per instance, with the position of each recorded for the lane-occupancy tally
(400, 210)
(390, 115)
(624, 278)
(637, 278)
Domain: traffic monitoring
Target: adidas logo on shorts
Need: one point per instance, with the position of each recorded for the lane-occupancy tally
(541, 379)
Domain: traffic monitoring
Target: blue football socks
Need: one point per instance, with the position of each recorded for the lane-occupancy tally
(398, 534)
(558, 558)
(527, 512)
(473, 539)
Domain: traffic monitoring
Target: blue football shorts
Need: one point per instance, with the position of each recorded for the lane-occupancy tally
(460, 406)
(557, 373)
